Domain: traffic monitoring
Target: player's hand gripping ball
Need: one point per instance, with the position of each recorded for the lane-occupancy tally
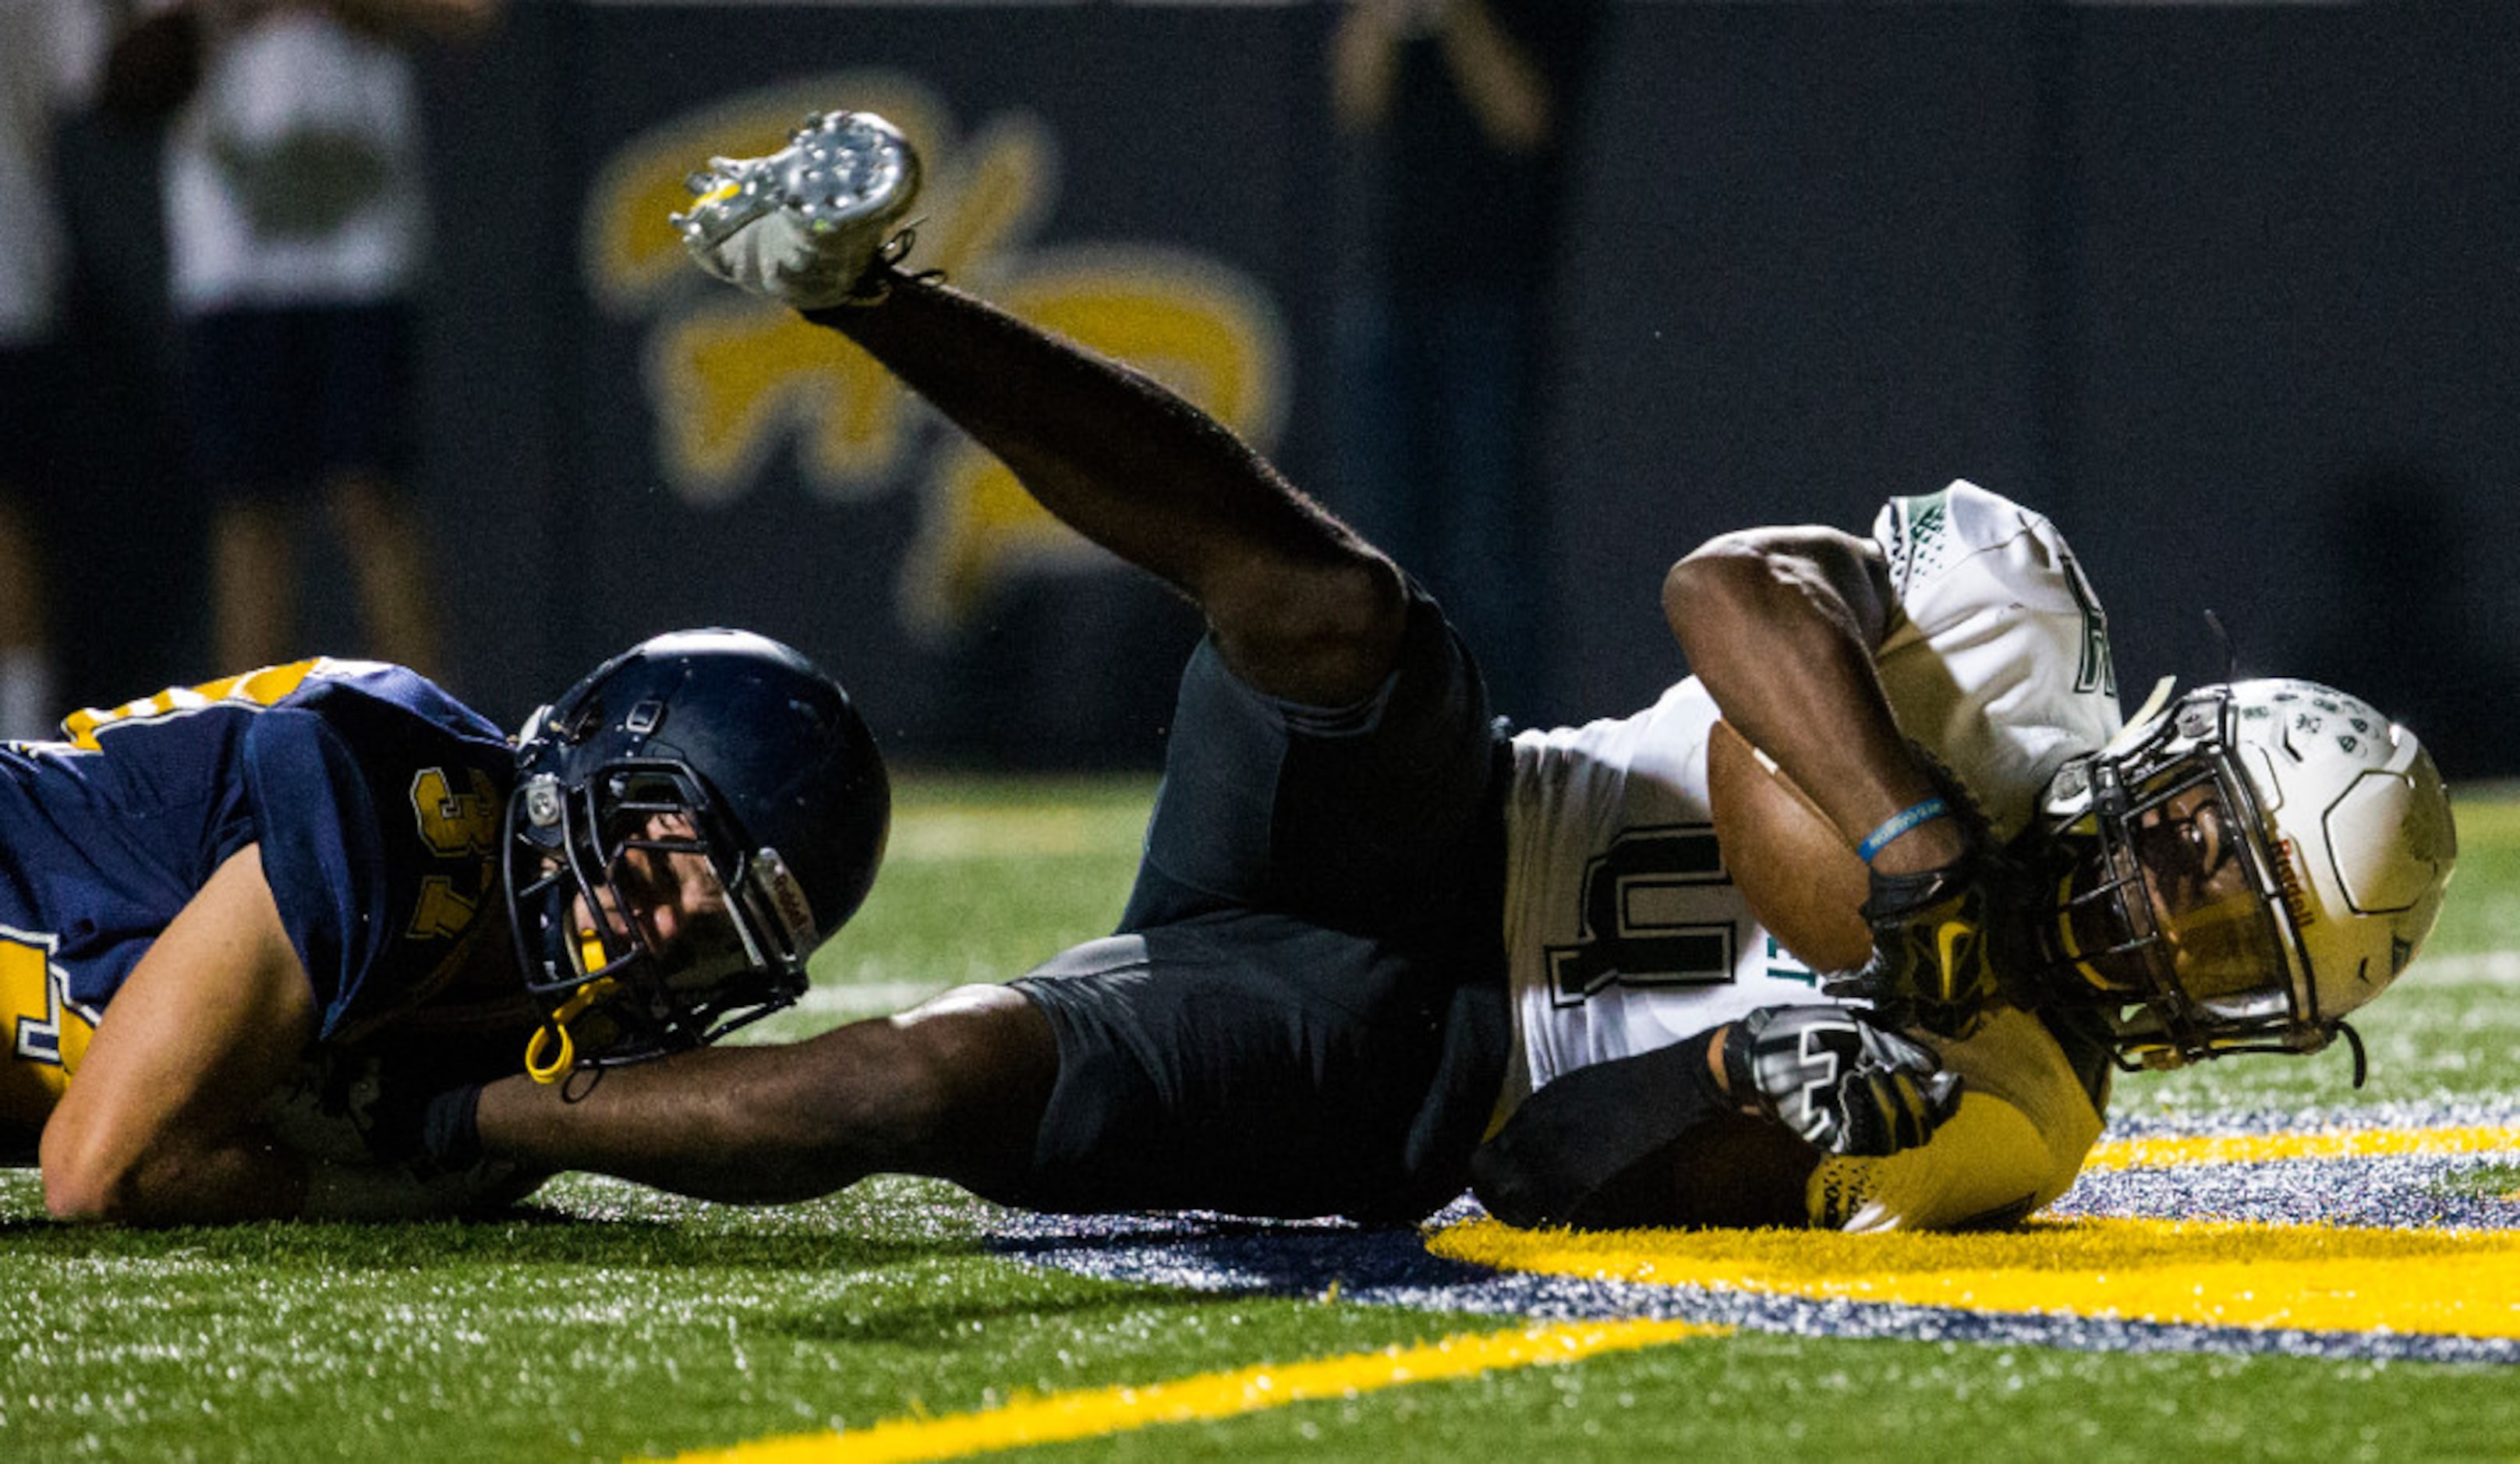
(1936, 933)
(1922, 948)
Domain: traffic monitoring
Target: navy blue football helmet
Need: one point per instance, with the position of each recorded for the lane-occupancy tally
(689, 822)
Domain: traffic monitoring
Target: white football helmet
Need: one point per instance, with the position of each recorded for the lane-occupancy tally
(2241, 871)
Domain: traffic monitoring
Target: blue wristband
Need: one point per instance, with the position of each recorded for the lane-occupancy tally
(1900, 823)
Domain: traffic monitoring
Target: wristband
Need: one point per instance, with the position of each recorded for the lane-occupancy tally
(1900, 823)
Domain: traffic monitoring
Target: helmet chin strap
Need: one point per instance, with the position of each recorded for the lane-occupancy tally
(551, 1068)
(2353, 1039)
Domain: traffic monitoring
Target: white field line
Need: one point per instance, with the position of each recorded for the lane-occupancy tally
(866, 998)
(2483, 968)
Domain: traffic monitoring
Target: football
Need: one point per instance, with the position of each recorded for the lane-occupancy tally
(1797, 871)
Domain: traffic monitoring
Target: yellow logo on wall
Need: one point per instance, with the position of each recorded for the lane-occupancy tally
(733, 380)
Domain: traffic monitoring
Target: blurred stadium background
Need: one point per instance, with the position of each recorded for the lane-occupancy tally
(2229, 289)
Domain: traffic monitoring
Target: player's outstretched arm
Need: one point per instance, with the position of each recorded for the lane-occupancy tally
(158, 1125)
(954, 1090)
(1301, 607)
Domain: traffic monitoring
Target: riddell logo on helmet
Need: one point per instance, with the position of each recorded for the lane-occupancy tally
(2296, 895)
(786, 898)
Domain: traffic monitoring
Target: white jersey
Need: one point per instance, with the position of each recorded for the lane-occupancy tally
(292, 174)
(49, 49)
(1624, 932)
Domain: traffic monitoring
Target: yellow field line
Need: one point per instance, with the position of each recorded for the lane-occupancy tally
(1097, 1412)
(2260, 1148)
(2464, 1283)
(2461, 1283)
(2458, 1283)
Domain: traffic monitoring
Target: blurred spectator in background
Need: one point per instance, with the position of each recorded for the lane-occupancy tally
(1464, 107)
(48, 56)
(296, 232)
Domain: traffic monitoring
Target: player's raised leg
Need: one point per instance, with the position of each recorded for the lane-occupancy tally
(1301, 607)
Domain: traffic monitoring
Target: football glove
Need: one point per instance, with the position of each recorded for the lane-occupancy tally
(359, 1108)
(1842, 1083)
(1935, 945)
(806, 225)
(385, 1140)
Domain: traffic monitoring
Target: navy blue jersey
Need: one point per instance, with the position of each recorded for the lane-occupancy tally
(375, 798)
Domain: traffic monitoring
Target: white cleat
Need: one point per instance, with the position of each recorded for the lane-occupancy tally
(805, 224)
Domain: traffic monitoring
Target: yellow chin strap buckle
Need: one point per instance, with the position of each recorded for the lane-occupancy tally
(549, 1067)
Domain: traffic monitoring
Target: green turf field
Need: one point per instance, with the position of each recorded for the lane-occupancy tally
(601, 1321)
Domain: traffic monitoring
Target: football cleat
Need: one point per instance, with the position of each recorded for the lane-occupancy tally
(804, 225)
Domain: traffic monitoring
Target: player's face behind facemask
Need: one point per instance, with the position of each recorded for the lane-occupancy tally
(691, 821)
(645, 932)
(2240, 872)
(664, 900)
